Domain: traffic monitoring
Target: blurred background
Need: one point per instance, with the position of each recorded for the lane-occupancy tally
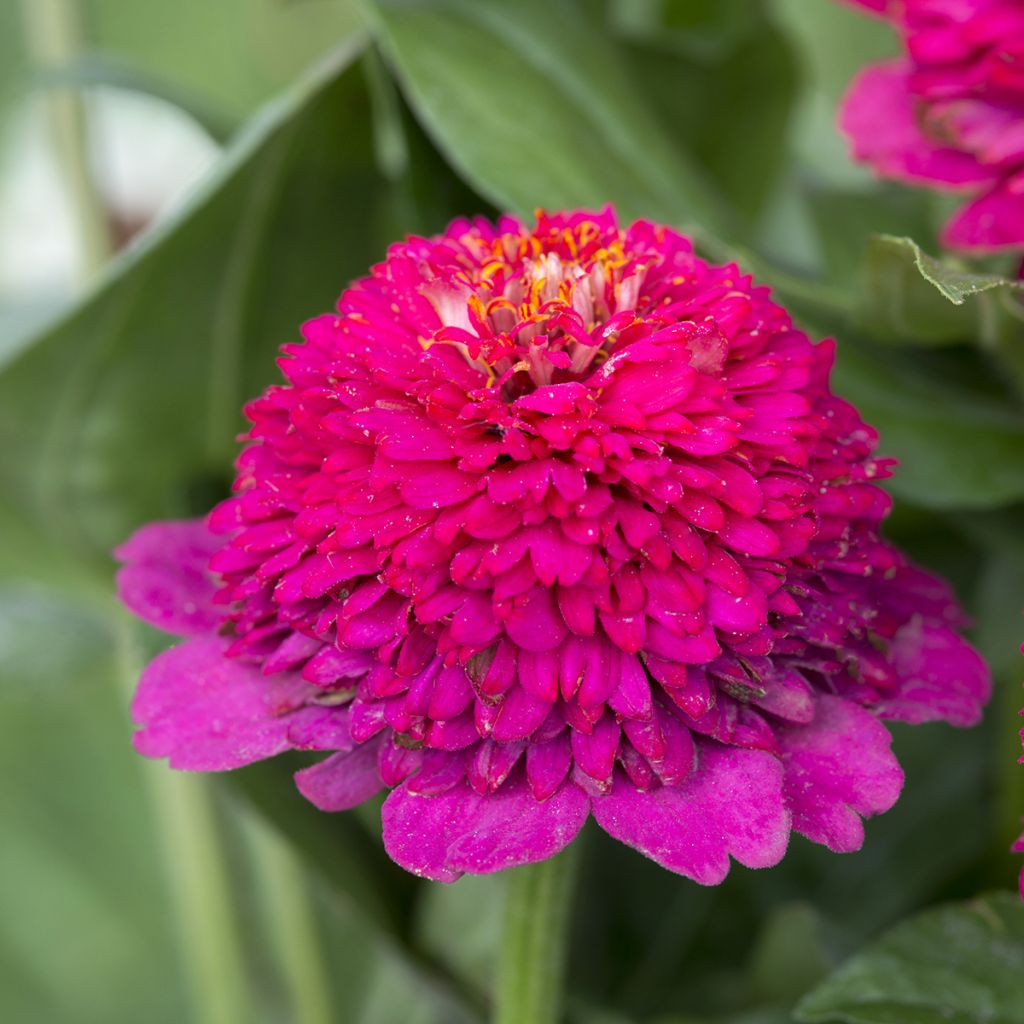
(180, 185)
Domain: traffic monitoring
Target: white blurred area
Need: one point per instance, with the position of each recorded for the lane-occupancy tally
(145, 156)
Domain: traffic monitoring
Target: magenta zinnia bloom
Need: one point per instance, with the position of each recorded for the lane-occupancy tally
(950, 112)
(548, 522)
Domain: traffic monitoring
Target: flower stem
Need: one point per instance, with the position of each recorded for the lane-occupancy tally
(53, 34)
(187, 824)
(293, 926)
(531, 962)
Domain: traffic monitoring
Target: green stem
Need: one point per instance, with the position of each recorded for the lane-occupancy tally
(199, 874)
(293, 925)
(533, 943)
(54, 39)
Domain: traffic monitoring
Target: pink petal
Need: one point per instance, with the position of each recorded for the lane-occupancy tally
(732, 805)
(164, 578)
(838, 768)
(204, 711)
(993, 221)
(343, 780)
(941, 677)
(879, 117)
(442, 837)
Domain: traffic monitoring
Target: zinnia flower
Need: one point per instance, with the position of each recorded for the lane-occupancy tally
(549, 522)
(950, 112)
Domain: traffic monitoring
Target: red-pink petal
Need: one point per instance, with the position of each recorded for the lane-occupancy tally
(879, 117)
(731, 806)
(205, 712)
(343, 780)
(839, 767)
(941, 677)
(164, 578)
(442, 837)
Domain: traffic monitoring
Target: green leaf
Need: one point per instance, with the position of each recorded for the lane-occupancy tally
(737, 55)
(231, 56)
(960, 444)
(960, 964)
(534, 107)
(126, 409)
(893, 255)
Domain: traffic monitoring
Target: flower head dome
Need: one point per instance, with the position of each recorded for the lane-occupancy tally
(950, 112)
(550, 521)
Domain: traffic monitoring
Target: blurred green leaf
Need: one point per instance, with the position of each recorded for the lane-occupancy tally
(14, 70)
(959, 964)
(672, 65)
(912, 298)
(789, 956)
(535, 108)
(892, 258)
(959, 446)
(84, 933)
(126, 409)
(230, 56)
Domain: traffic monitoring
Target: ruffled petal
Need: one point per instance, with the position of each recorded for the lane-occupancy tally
(206, 712)
(992, 221)
(442, 837)
(343, 780)
(941, 677)
(837, 768)
(164, 578)
(879, 118)
(1018, 847)
(732, 805)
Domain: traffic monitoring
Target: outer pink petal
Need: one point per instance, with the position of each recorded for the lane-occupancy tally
(164, 579)
(875, 6)
(942, 677)
(879, 118)
(993, 221)
(731, 805)
(343, 780)
(838, 768)
(206, 712)
(1018, 847)
(442, 837)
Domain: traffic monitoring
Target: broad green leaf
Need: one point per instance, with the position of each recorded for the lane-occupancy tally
(960, 444)
(127, 408)
(229, 56)
(959, 964)
(673, 61)
(834, 41)
(843, 217)
(1000, 628)
(534, 107)
(789, 957)
(86, 935)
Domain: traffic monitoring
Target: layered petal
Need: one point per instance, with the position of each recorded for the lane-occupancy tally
(880, 116)
(343, 780)
(838, 768)
(991, 222)
(164, 579)
(940, 677)
(731, 806)
(443, 837)
(206, 712)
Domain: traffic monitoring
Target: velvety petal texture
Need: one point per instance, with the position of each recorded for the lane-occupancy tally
(731, 806)
(550, 520)
(442, 837)
(164, 577)
(950, 113)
